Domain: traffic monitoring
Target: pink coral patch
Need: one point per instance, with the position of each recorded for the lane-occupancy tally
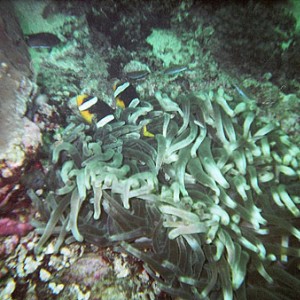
(10, 227)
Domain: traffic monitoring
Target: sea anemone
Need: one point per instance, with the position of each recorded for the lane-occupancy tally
(212, 197)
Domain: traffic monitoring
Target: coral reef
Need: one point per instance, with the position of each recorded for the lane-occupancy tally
(213, 195)
(244, 43)
(166, 46)
(208, 208)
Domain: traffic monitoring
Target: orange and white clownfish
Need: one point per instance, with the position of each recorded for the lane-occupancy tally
(94, 110)
(124, 94)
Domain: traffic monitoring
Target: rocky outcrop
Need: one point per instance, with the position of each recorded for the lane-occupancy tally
(19, 137)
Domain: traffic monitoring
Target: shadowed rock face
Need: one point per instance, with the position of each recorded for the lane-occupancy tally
(15, 85)
(19, 137)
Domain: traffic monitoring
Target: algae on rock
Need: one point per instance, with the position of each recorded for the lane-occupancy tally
(168, 47)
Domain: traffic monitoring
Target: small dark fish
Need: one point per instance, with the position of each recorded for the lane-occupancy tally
(42, 40)
(135, 75)
(242, 91)
(175, 70)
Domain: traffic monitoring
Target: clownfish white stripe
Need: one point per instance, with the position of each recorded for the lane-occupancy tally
(121, 89)
(88, 104)
(104, 121)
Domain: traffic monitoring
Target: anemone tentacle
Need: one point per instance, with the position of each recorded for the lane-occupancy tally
(214, 194)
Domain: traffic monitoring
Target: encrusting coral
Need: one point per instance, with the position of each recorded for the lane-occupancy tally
(212, 197)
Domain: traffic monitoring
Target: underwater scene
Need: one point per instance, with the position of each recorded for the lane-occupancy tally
(149, 150)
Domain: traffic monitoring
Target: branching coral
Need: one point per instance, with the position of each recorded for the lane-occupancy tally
(213, 196)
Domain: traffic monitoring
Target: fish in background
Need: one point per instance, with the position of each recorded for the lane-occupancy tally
(175, 69)
(42, 40)
(170, 71)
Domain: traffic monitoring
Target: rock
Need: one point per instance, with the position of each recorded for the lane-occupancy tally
(19, 137)
(15, 88)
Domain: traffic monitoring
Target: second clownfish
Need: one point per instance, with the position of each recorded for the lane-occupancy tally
(94, 110)
(125, 93)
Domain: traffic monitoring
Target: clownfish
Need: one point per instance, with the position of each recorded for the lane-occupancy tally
(94, 110)
(124, 94)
